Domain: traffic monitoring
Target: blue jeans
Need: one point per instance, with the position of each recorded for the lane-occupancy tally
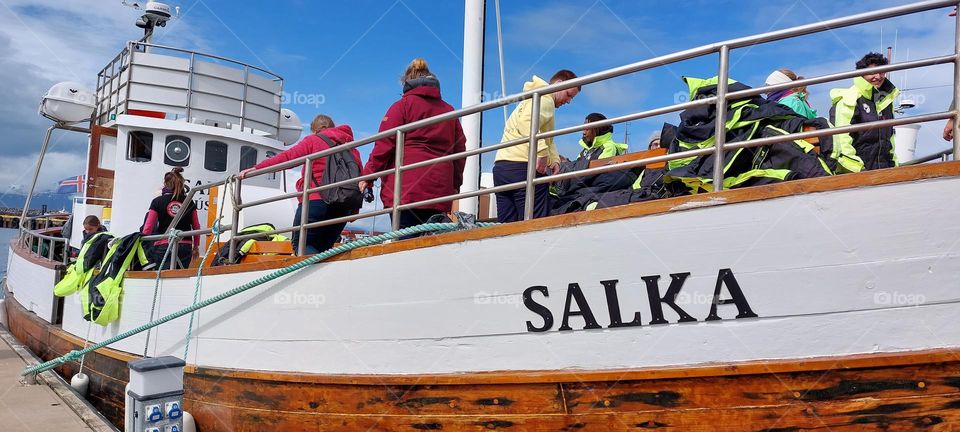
(183, 253)
(510, 204)
(322, 238)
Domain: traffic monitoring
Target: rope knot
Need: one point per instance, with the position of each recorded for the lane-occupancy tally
(71, 356)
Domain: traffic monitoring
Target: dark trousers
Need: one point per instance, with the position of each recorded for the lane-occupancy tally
(182, 253)
(510, 204)
(414, 217)
(323, 238)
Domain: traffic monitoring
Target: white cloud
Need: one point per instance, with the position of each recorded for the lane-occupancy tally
(57, 166)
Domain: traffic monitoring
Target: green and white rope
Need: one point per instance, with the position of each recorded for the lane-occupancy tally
(196, 286)
(172, 239)
(367, 241)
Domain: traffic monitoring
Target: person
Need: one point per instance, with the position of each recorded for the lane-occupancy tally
(948, 128)
(600, 140)
(163, 209)
(795, 98)
(654, 142)
(322, 238)
(597, 143)
(91, 226)
(510, 164)
(421, 99)
(869, 99)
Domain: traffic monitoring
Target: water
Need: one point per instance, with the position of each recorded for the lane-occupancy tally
(6, 234)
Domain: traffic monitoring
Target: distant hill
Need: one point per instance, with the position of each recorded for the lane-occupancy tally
(52, 200)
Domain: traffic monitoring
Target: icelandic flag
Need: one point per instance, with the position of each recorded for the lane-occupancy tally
(71, 185)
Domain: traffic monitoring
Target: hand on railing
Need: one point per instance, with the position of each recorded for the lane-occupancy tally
(244, 173)
(948, 131)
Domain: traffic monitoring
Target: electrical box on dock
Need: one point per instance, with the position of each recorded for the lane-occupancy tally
(155, 395)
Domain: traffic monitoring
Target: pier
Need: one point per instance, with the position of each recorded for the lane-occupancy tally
(10, 218)
(48, 405)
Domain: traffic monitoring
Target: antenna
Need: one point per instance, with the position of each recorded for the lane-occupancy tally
(156, 14)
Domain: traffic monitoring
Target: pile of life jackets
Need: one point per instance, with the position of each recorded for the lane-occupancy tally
(748, 118)
(98, 274)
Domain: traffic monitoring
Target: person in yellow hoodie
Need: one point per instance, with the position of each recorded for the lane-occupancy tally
(510, 165)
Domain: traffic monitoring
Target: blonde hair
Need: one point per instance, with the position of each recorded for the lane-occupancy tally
(417, 69)
(793, 77)
(321, 122)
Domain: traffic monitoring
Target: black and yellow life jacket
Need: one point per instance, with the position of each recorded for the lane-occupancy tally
(223, 253)
(90, 257)
(745, 119)
(103, 294)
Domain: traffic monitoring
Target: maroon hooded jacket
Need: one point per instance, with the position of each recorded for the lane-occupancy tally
(312, 144)
(429, 142)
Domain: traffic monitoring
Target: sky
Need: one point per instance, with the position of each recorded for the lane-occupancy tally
(344, 59)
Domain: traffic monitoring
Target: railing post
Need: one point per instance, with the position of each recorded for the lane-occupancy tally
(305, 205)
(530, 190)
(173, 252)
(235, 220)
(126, 100)
(243, 101)
(956, 88)
(720, 130)
(190, 87)
(397, 182)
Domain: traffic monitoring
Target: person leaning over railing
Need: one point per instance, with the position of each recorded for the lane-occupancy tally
(870, 99)
(511, 162)
(421, 99)
(323, 128)
(948, 128)
(161, 213)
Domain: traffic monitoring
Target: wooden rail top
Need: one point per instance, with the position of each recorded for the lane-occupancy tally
(630, 157)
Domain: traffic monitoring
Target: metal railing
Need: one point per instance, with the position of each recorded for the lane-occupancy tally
(720, 101)
(33, 239)
(117, 78)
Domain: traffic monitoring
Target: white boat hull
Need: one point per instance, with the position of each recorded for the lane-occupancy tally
(862, 270)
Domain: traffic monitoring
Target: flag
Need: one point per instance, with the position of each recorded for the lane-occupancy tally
(70, 185)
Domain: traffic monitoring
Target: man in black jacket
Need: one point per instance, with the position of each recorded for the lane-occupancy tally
(870, 99)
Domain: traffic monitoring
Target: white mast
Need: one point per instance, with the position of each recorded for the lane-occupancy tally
(473, 25)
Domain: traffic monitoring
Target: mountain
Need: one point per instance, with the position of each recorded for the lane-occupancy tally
(52, 200)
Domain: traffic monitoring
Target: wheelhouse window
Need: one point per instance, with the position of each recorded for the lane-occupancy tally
(248, 157)
(215, 156)
(139, 146)
(176, 151)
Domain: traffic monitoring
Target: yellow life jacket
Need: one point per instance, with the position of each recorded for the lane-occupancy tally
(90, 257)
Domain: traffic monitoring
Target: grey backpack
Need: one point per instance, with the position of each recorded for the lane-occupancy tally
(341, 166)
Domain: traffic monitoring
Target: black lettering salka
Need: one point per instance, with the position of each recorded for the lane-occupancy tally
(576, 304)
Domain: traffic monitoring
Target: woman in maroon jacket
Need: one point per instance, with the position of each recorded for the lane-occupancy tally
(420, 100)
(323, 238)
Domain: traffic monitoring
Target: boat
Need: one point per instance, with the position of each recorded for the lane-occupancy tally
(799, 305)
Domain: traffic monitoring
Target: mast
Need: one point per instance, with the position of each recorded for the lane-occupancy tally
(473, 26)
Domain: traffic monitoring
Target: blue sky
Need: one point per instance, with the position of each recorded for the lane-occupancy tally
(349, 55)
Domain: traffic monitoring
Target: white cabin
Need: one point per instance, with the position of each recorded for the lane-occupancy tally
(159, 108)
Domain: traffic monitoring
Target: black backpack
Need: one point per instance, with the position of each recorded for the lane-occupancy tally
(341, 166)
